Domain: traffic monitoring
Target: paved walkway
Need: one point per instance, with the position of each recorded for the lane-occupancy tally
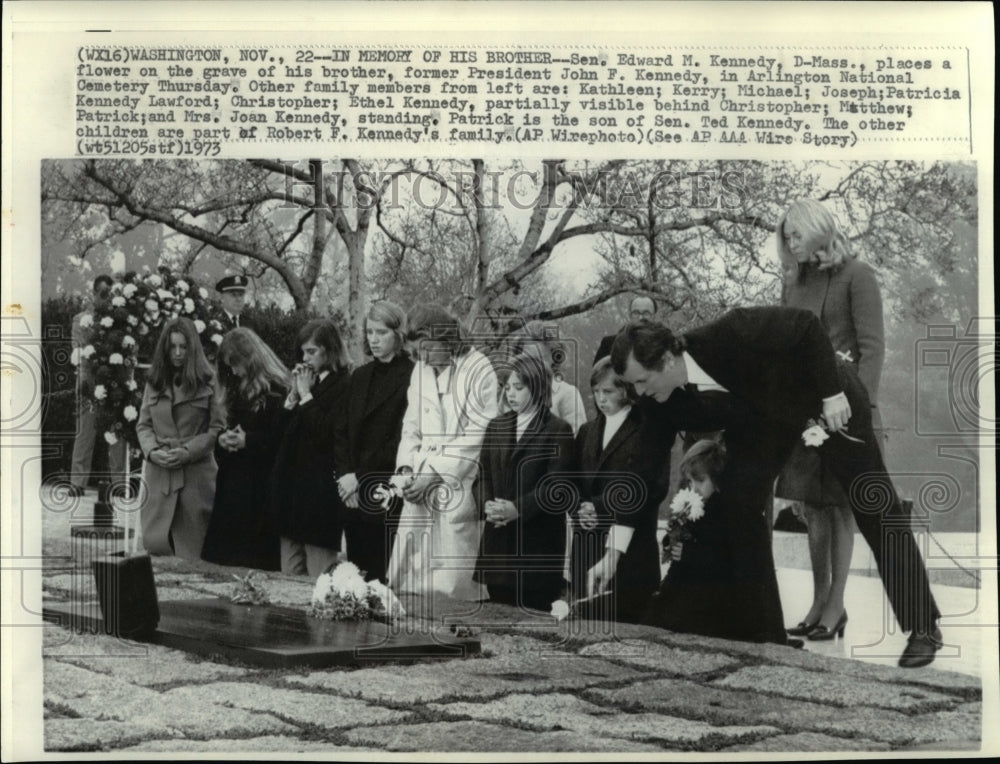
(538, 686)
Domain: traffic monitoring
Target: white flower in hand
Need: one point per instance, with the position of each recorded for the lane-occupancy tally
(560, 610)
(100, 393)
(814, 435)
(130, 413)
(687, 504)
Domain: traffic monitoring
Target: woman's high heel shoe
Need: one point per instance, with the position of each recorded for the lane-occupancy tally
(821, 633)
(802, 629)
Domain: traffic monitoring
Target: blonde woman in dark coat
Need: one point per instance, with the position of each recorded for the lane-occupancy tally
(823, 276)
(179, 422)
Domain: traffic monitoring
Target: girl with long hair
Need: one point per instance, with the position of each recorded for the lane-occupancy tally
(306, 507)
(179, 421)
(823, 275)
(253, 384)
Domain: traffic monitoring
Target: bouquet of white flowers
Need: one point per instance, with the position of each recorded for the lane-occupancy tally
(344, 595)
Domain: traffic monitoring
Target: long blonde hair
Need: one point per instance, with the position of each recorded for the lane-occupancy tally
(263, 372)
(817, 223)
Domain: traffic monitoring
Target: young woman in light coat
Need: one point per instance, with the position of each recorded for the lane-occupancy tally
(451, 399)
(178, 424)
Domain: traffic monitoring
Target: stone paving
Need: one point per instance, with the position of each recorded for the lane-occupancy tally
(537, 686)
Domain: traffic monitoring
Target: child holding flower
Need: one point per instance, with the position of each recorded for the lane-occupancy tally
(697, 594)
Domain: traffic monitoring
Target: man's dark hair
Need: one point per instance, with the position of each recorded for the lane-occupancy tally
(648, 342)
(103, 283)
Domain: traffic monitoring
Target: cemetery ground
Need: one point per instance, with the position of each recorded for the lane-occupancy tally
(536, 686)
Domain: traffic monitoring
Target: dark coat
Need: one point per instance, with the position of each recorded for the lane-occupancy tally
(305, 504)
(228, 324)
(604, 349)
(370, 436)
(778, 365)
(849, 305)
(522, 562)
(626, 482)
(239, 532)
(697, 594)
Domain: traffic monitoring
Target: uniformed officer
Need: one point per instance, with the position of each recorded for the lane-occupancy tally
(232, 297)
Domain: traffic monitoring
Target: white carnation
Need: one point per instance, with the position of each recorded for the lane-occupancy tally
(118, 301)
(154, 280)
(86, 321)
(100, 393)
(152, 305)
(183, 286)
(87, 351)
(74, 357)
(188, 305)
(107, 322)
(560, 610)
(116, 359)
(132, 384)
(132, 320)
(199, 325)
(128, 340)
(111, 438)
(217, 339)
(203, 293)
(129, 290)
(321, 589)
(130, 413)
(165, 295)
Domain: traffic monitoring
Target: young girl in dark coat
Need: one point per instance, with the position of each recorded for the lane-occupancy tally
(305, 503)
(526, 452)
(253, 384)
(696, 595)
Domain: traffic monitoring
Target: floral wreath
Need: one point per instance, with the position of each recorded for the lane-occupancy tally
(124, 328)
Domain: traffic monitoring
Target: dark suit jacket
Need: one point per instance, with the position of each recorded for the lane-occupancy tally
(604, 349)
(369, 433)
(305, 504)
(535, 474)
(626, 482)
(228, 325)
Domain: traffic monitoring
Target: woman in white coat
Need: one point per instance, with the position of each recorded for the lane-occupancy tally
(451, 399)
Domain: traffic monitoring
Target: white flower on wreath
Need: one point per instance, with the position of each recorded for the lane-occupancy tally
(87, 352)
(183, 286)
(86, 321)
(118, 301)
(344, 573)
(100, 393)
(116, 359)
(152, 305)
(132, 321)
(199, 325)
(128, 290)
(165, 295)
(107, 322)
(217, 339)
(116, 288)
(203, 293)
(74, 357)
(188, 305)
(215, 324)
(111, 438)
(130, 413)
(132, 384)
(153, 280)
(128, 341)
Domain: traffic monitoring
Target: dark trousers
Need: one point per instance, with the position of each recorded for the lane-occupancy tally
(369, 544)
(758, 449)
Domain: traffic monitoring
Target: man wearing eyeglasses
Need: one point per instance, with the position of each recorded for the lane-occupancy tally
(640, 309)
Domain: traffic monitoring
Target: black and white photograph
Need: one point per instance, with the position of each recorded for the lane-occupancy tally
(562, 455)
(498, 381)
